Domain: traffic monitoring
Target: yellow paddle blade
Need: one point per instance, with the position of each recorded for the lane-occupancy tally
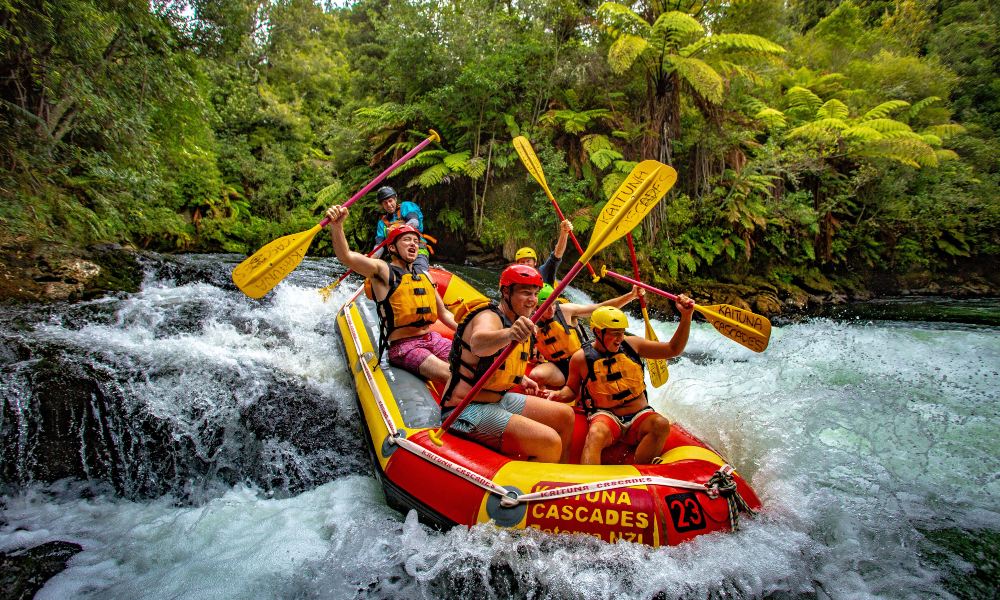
(531, 162)
(658, 372)
(326, 291)
(742, 326)
(648, 182)
(256, 275)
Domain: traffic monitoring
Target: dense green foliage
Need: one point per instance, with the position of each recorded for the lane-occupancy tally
(810, 137)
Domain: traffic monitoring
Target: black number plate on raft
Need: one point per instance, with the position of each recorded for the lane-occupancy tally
(686, 512)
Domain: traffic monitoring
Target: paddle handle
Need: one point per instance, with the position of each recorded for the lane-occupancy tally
(635, 265)
(434, 137)
(471, 395)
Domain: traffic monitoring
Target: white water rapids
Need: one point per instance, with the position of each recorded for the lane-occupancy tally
(873, 446)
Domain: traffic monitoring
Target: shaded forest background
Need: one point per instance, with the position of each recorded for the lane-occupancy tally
(821, 142)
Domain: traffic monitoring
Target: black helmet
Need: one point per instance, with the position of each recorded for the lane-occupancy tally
(384, 193)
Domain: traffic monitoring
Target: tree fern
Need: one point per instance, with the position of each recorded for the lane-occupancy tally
(618, 19)
(884, 110)
(945, 130)
(921, 105)
(702, 78)
(624, 52)
(431, 176)
(833, 109)
(803, 100)
(734, 41)
(772, 118)
(885, 126)
(674, 28)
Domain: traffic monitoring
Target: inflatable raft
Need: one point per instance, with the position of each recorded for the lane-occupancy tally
(692, 491)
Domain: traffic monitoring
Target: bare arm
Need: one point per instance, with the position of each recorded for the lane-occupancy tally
(356, 261)
(564, 228)
(678, 341)
(577, 371)
(488, 336)
(445, 315)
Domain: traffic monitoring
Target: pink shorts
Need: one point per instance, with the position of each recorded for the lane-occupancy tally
(409, 353)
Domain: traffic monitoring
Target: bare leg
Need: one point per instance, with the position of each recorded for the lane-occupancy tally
(556, 415)
(598, 438)
(540, 443)
(548, 375)
(653, 433)
(434, 369)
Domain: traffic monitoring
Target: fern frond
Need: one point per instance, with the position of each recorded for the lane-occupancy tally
(883, 110)
(474, 168)
(424, 159)
(803, 100)
(932, 140)
(885, 125)
(734, 42)
(385, 116)
(673, 28)
(833, 109)
(945, 130)
(702, 78)
(618, 19)
(457, 161)
(946, 155)
(822, 130)
(862, 133)
(921, 105)
(432, 176)
(624, 51)
(772, 118)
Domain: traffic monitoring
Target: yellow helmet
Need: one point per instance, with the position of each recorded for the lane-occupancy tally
(525, 253)
(608, 317)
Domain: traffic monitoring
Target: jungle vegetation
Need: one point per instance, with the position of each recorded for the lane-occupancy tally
(819, 138)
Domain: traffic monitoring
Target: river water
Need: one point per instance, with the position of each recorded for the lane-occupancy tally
(221, 458)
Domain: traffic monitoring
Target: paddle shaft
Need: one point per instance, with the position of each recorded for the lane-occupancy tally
(371, 184)
(635, 266)
(660, 292)
(349, 271)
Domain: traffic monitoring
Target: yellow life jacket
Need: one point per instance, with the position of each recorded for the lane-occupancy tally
(613, 379)
(509, 374)
(556, 340)
(410, 302)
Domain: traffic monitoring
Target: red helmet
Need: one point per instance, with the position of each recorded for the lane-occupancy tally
(522, 274)
(395, 232)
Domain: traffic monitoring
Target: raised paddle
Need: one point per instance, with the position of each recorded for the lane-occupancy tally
(658, 372)
(742, 326)
(641, 190)
(326, 291)
(263, 270)
(531, 162)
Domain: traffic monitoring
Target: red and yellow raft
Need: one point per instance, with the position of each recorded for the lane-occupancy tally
(692, 490)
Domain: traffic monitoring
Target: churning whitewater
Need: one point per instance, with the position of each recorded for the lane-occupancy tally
(225, 459)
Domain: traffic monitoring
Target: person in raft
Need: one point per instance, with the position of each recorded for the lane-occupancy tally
(560, 335)
(409, 302)
(527, 256)
(396, 214)
(514, 424)
(609, 379)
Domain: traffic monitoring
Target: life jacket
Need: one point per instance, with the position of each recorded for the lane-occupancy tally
(613, 379)
(509, 374)
(557, 340)
(410, 302)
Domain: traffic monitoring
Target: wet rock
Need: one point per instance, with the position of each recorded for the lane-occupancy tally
(41, 272)
(24, 572)
(767, 304)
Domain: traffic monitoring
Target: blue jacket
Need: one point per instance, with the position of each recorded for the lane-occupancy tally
(406, 211)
